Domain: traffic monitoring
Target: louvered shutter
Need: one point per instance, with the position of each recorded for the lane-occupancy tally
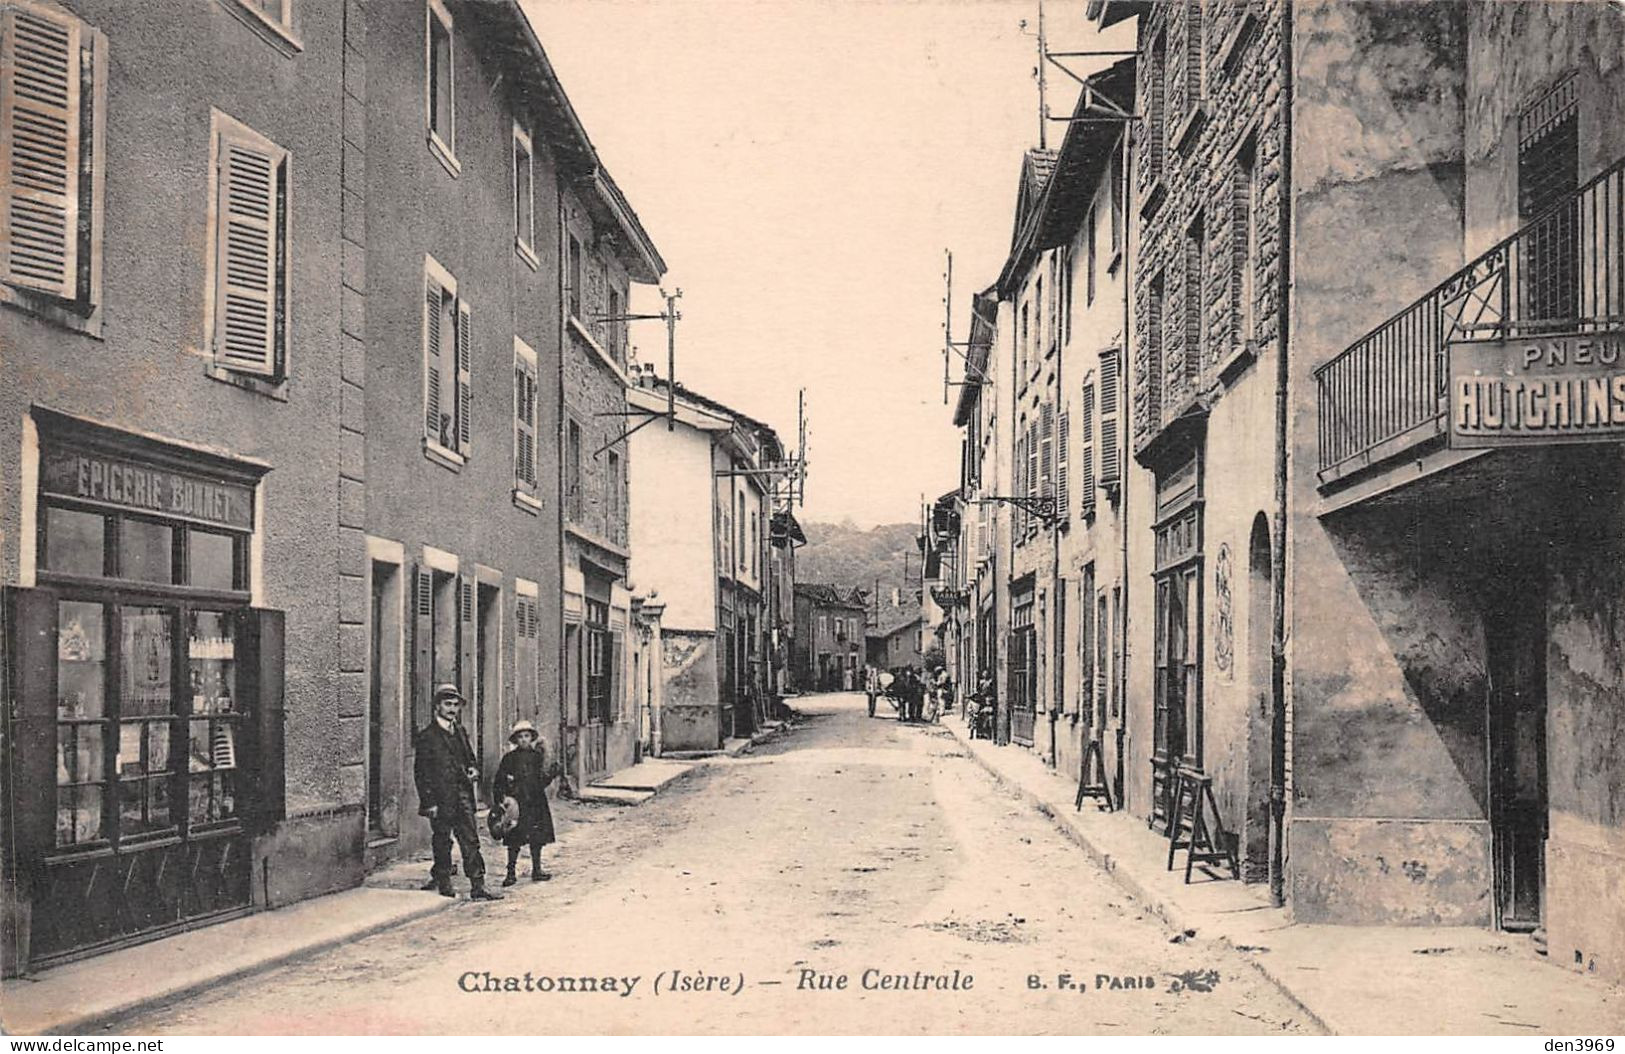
(39, 114)
(467, 651)
(465, 389)
(432, 360)
(246, 254)
(1046, 451)
(1020, 480)
(1062, 441)
(617, 680)
(1087, 448)
(1111, 469)
(422, 646)
(524, 394)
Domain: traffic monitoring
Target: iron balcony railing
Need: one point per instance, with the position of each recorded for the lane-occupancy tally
(1564, 272)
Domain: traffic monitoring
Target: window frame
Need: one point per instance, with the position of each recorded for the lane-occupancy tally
(457, 455)
(526, 492)
(224, 128)
(444, 148)
(82, 312)
(524, 241)
(280, 33)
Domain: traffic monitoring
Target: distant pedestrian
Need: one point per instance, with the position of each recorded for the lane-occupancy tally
(523, 775)
(446, 774)
(871, 687)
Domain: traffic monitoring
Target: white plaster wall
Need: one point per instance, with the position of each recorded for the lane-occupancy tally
(671, 524)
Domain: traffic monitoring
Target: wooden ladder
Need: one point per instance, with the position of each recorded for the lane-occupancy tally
(1089, 789)
(1189, 827)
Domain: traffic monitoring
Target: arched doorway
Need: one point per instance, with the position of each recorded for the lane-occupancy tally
(1256, 824)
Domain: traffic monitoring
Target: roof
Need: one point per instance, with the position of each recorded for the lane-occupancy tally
(764, 429)
(1036, 166)
(901, 626)
(827, 595)
(1072, 174)
(536, 86)
(1110, 12)
(984, 312)
(785, 525)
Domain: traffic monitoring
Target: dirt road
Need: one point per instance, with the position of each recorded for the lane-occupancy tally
(856, 876)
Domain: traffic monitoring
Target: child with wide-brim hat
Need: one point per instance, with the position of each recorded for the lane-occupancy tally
(523, 776)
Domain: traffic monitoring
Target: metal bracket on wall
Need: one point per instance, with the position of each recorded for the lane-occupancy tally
(1042, 508)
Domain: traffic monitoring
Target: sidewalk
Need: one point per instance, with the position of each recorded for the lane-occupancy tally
(77, 997)
(1352, 980)
(80, 996)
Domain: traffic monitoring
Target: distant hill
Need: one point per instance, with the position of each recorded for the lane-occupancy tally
(849, 557)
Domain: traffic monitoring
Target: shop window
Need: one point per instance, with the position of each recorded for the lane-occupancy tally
(441, 87)
(52, 78)
(248, 254)
(572, 473)
(447, 368)
(75, 541)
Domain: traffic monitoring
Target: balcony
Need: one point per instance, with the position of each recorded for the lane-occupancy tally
(1563, 273)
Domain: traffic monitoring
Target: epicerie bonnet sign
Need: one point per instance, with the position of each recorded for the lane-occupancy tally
(123, 483)
(1561, 388)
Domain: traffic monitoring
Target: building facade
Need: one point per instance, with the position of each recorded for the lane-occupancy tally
(174, 750)
(702, 513)
(829, 640)
(604, 249)
(262, 544)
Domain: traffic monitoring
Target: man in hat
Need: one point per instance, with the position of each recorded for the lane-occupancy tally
(446, 775)
(522, 777)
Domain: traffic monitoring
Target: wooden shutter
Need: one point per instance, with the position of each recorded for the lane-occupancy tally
(1020, 480)
(422, 646)
(1111, 469)
(617, 652)
(465, 390)
(1086, 481)
(30, 718)
(262, 653)
(1062, 441)
(431, 360)
(1046, 450)
(524, 399)
(248, 171)
(467, 640)
(39, 113)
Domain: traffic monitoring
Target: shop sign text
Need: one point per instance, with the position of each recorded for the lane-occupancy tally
(1564, 388)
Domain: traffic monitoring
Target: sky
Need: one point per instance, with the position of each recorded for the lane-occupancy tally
(802, 165)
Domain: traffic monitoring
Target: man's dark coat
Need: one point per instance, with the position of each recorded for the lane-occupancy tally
(441, 770)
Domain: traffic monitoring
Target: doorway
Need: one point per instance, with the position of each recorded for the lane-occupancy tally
(1262, 742)
(1515, 636)
(384, 702)
(489, 724)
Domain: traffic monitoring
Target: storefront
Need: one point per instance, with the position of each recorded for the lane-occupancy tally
(1177, 724)
(145, 741)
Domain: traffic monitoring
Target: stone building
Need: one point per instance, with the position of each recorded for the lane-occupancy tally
(829, 641)
(1379, 624)
(174, 747)
(604, 248)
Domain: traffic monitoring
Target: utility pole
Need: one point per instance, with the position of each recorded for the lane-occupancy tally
(1043, 107)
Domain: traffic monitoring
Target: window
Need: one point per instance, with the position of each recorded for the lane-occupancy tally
(524, 197)
(1023, 350)
(1114, 177)
(1244, 242)
(1087, 480)
(1038, 320)
(441, 87)
(572, 472)
(1156, 128)
(147, 732)
(1193, 56)
(1089, 237)
(524, 417)
(599, 665)
(612, 492)
(614, 327)
(52, 78)
(823, 623)
(1111, 371)
(271, 20)
(248, 252)
(1195, 307)
(1069, 266)
(574, 277)
(1154, 352)
(1548, 175)
(447, 351)
(1062, 493)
